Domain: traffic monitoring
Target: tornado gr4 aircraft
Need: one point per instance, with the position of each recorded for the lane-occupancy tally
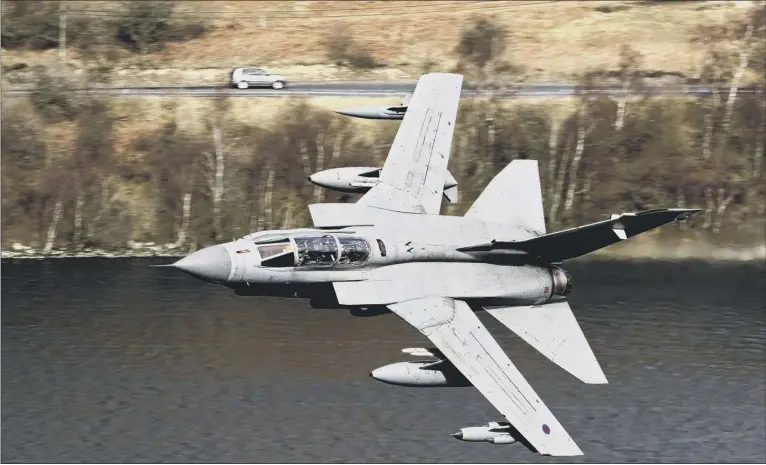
(393, 250)
(358, 180)
(395, 112)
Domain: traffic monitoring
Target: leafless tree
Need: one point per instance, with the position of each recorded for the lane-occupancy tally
(630, 80)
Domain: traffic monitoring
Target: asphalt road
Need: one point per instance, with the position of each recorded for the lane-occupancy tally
(371, 89)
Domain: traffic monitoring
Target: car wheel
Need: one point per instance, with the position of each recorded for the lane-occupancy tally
(278, 85)
(242, 84)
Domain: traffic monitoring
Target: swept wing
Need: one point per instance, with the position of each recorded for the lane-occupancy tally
(454, 329)
(575, 242)
(412, 178)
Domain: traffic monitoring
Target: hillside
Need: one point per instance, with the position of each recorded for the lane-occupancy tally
(318, 40)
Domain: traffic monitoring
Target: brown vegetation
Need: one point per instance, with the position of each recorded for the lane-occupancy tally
(192, 183)
(546, 40)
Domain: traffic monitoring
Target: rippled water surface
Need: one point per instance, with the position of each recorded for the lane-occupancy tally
(113, 361)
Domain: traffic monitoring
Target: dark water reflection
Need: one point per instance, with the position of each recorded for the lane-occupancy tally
(110, 360)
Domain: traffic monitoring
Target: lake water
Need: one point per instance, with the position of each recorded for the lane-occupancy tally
(108, 360)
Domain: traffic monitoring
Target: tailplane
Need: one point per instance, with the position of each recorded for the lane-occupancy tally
(513, 197)
(553, 330)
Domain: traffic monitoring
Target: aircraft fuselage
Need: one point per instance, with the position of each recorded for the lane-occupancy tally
(366, 266)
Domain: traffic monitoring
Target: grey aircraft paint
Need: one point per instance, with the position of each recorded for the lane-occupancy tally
(392, 249)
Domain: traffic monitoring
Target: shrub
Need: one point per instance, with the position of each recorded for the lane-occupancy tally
(342, 49)
(54, 99)
(147, 26)
(481, 41)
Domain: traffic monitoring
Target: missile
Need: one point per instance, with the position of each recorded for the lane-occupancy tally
(493, 433)
(358, 180)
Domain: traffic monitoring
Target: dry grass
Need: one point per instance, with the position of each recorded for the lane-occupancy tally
(548, 40)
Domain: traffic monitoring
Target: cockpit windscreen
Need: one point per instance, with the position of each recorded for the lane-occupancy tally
(316, 250)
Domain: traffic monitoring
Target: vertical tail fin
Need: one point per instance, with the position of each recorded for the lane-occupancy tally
(512, 197)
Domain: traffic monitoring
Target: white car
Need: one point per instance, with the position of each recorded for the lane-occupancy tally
(256, 77)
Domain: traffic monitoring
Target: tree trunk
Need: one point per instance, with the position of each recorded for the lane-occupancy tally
(709, 209)
(319, 191)
(184, 221)
(78, 219)
(53, 227)
(287, 218)
(757, 157)
(305, 158)
(218, 183)
(336, 148)
(102, 208)
(491, 140)
(62, 31)
(723, 203)
(587, 187)
(268, 195)
(559, 188)
(707, 139)
(552, 148)
(256, 210)
(682, 225)
(580, 148)
(622, 106)
(745, 49)
(481, 162)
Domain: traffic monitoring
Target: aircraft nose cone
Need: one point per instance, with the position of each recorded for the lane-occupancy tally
(458, 435)
(211, 263)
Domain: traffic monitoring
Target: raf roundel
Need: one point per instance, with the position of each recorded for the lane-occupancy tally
(546, 429)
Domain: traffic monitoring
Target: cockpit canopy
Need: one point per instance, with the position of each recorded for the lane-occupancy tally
(315, 250)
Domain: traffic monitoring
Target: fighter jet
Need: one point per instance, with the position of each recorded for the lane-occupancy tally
(359, 180)
(395, 112)
(393, 250)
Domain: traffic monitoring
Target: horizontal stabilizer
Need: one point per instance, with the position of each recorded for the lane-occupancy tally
(575, 242)
(553, 330)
